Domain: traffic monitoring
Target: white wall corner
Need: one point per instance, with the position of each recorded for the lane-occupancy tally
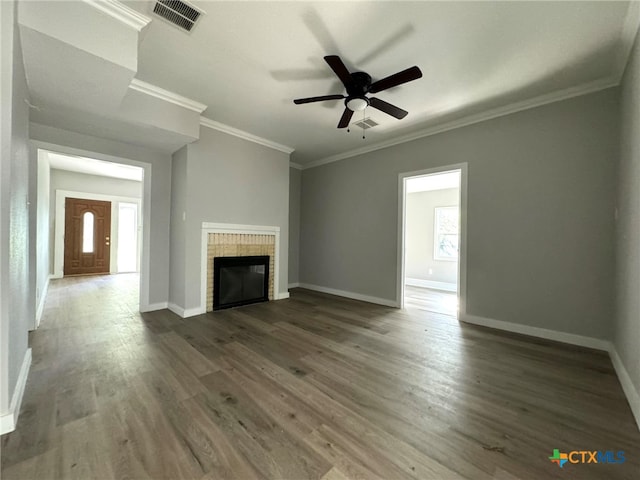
(177, 309)
(294, 285)
(297, 166)
(629, 389)
(352, 295)
(9, 420)
(282, 296)
(563, 337)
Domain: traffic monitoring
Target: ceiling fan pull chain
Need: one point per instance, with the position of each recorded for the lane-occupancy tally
(363, 117)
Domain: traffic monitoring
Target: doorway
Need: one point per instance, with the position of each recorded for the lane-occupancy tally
(432, 240)
(87, 237)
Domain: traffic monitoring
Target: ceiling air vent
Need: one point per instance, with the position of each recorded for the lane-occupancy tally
(366, 123)
(179, 13)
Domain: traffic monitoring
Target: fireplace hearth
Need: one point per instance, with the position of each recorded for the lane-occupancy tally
(240, 281)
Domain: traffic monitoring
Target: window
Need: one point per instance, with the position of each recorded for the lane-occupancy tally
(446, 234)
(87, 232)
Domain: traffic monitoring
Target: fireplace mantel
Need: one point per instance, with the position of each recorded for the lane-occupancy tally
(209, 228)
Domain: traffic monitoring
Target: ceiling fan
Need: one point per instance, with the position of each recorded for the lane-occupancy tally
(358, 85)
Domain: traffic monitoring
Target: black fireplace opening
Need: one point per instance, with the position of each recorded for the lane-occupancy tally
(240, 281)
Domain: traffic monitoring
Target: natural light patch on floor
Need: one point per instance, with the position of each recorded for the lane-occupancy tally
(431, 300)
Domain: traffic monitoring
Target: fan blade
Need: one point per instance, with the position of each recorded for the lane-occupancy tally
(388, 108)
(396, 79)
(339, 68)
(300, 101)
(345, 119)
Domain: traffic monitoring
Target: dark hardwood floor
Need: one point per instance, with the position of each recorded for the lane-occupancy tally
(314, 387)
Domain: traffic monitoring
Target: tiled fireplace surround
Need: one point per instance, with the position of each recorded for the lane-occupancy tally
(231, 240)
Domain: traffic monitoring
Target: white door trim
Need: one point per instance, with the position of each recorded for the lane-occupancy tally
(462, 264)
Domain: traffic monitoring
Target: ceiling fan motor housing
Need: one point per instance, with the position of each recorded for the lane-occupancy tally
(357, 89)
(359, 85)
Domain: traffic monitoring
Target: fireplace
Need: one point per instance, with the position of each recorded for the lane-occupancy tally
(240, 281)
(230, 240)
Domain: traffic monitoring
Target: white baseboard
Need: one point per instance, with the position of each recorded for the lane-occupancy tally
(418, 282)
(294, 285)
(42, 302)
(282, 296)
(192, 312)
(153, 307)
(629, 389)
(185, 312)
(355, 296)
(632, 394)
(178, 310)
(9, 420)
(570, 338)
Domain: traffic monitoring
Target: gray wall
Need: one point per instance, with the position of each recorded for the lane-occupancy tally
(160, 191)
(295, 176)
(177, 284)
(230, 180)
(626, 336)
(17, 300)
(540, 227)
(419, 231)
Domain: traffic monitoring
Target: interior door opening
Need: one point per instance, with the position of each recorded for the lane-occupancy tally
(431, 234)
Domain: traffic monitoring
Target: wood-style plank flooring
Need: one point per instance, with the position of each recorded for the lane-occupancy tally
(430, 300)
(314, 387)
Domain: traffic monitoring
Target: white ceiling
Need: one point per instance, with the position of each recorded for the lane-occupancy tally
(94, 167)
(247, 61)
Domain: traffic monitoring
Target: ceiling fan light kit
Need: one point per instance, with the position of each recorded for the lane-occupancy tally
(358, 85)
(357, 104)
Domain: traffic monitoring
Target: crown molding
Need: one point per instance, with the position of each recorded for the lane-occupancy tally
(627, 37)
(121, 12)
(221, 127)
(167, 96)
(297, 166)
(553, 97)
